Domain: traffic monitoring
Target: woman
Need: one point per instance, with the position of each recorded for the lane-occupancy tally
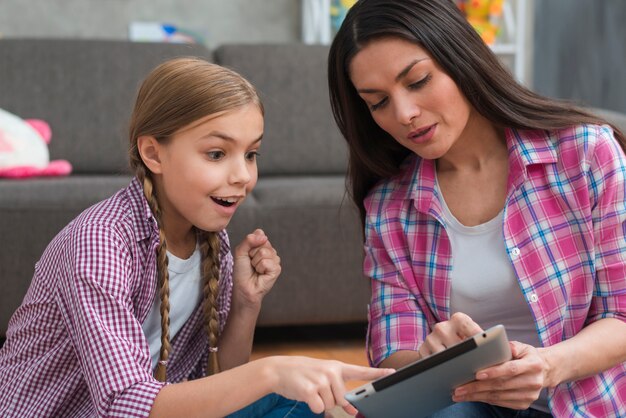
(482, 203)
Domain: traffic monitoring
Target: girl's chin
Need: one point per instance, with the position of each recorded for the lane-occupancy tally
(215, 226)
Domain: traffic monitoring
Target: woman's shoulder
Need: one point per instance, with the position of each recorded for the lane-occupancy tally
(586, 144)
(583, 133)
(395, 188)
(570, 144)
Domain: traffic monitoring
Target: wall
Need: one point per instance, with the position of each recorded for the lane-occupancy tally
(577, 49)
(246, 21)
(580, 51)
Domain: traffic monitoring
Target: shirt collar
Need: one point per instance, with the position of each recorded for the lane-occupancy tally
(146, 224)
(526, 148)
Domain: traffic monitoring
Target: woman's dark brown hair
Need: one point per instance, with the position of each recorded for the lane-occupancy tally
(174, 95)
(441, 29)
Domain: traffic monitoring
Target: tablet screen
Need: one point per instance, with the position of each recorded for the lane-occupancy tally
(424, 364)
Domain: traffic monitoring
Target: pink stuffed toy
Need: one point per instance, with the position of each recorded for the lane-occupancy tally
(24, 149)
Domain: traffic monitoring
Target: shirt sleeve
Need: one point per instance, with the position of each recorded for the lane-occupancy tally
(607, 176)
(95, 298)
(396, 321)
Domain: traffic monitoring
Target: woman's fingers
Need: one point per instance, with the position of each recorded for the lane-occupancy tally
(448, 333)
(514, 384)
(464, 326)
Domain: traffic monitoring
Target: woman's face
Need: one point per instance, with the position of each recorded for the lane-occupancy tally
(209, 167)
(410, 96)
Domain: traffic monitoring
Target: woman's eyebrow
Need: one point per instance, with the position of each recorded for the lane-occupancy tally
(406, 69)
(400, 75)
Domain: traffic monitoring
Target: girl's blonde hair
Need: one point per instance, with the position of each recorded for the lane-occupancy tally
(174, 95)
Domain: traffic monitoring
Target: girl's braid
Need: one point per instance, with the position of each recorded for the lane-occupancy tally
(163, 274)
(210, 249)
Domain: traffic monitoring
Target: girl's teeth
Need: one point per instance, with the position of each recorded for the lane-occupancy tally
(225, 201)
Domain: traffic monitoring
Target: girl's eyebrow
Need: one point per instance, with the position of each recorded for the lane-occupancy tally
(226, 137)
(400, 75)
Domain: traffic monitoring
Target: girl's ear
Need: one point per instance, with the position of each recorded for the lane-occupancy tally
(149, 148)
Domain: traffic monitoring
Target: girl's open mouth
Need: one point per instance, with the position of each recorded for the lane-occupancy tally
(226, 202)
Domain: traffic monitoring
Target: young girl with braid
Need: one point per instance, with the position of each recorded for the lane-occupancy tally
(137, 307)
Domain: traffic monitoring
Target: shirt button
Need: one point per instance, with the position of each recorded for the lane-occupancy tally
(515, 251)
(534, 297)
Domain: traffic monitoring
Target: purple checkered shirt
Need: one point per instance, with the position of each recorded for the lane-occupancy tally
(564, 230)
(75, 347)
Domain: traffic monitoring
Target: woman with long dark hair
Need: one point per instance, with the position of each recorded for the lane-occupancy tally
(482, 203)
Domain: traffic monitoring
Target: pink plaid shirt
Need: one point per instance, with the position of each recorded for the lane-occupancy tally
(564, 230)
(75, 347)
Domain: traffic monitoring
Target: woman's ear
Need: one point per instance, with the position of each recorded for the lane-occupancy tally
(149, 149)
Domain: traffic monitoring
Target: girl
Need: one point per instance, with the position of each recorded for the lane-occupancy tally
(482, 203)
(137, 305)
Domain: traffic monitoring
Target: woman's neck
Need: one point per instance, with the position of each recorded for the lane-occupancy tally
(480, 144)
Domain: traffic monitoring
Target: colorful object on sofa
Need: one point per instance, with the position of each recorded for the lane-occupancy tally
(484, 16)
(338, 11)
(24, 149)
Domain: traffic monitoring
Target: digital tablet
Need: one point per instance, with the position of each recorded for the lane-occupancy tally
(425, 386)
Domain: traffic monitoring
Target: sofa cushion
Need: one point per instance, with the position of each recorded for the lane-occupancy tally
(315, 228)
(301, 136)
(88, 108)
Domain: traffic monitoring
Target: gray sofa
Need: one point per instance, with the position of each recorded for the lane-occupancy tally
(85, 90)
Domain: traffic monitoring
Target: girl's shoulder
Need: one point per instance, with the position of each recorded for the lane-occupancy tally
(117, 224)
(126, 213)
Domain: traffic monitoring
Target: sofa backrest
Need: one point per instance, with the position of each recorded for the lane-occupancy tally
(301, 136)
(84, 89)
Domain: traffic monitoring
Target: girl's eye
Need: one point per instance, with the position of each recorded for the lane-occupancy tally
(215, 155)
(378, 105)
(420, 83)
(252, 155)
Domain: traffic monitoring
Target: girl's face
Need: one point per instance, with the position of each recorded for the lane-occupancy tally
(410, 96)
(208, 168)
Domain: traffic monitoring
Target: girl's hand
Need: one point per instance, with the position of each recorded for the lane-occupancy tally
(256, 267)
(514, 384)
(447, 333)
(319, 383)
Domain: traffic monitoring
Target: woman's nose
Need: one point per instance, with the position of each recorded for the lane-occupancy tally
(406, 110)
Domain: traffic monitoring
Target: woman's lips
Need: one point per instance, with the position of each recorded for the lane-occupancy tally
(422, 135)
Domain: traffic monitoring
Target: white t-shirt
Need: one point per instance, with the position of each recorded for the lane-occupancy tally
(185, 294)
(483, 282)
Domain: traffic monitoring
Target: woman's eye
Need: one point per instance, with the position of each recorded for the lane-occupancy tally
(378, 105)
(252, 155)
(215, 155)
(420, 83)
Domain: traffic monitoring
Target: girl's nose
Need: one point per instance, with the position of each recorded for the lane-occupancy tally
(240, 172)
